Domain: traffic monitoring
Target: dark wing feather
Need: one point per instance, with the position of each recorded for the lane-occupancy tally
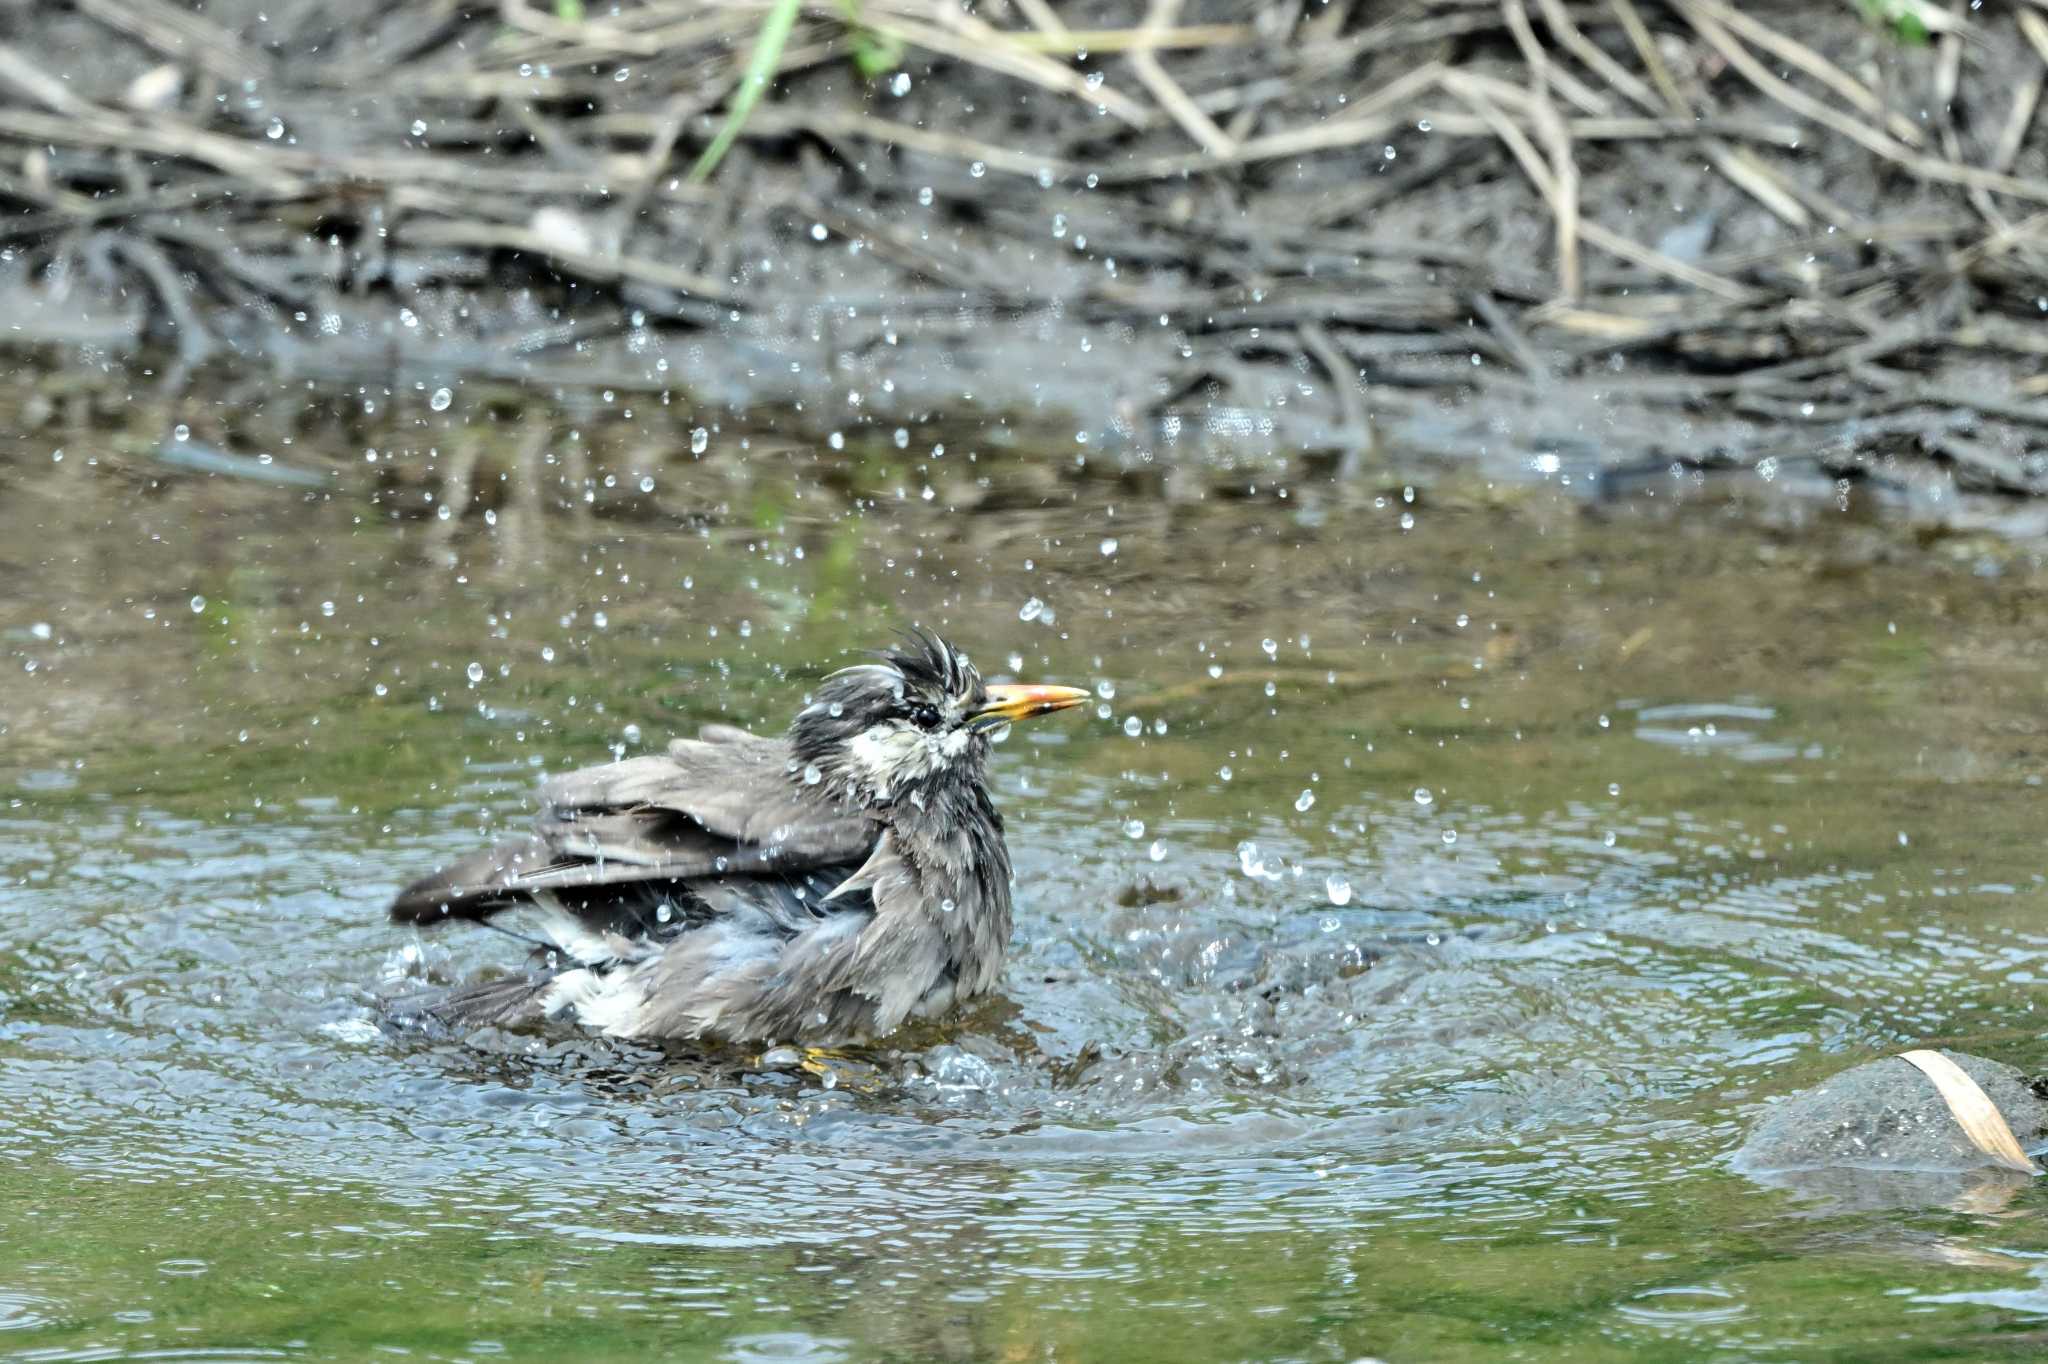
(720, 805)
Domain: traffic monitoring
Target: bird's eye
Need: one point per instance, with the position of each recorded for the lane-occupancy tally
(924, 716)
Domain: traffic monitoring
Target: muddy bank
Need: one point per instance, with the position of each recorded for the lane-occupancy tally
(1551, 240)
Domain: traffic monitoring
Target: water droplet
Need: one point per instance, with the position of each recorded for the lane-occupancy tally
(475, 672)
(1134, 828)
(1272, 688)
(1133, 726)
(1157, 852)
(899, 84)
(1106, 689)
(1422, 795)
(1224, 772)
(812, 776)
(818, 232)
(1215, 670)
(1272, 647)
(835, 710)
(275, 130)
(419, 127)
(1463, 620)
(547, 653)
(198, 605)
(327, 608)
(1450, 837)
(647, 483)
(181, 432)
(1305, 801)
(1108, 547)
(1031, 610)
(1604, 722)
(700, 441)
(1337, 888)
(441, 399)
(947, 906)
(664, 912)
(1248, 860)
(977, 170)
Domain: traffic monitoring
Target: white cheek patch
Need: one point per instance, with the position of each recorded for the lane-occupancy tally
(888, 754)
(891, 754)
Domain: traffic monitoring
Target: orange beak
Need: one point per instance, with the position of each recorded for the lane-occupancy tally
(1013, 701)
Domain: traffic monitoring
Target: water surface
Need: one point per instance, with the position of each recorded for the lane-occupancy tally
(1446, 875)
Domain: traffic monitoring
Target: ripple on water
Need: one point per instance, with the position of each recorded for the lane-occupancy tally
(1688, 1307)
(21, 1311)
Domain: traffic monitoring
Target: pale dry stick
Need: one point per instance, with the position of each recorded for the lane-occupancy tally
(670, 36)
(779, 121)
(1344, 381)
(1948, 76)
(1557, 182)
(1586, 50)
(1926, 167)
(182, 35)
(1646, 50)
(967, 39)
(1075, 41)
(2013, 135)
(160, 134)
(2000, 242)
(42, 87)
(591, 264)
(1798, 54)
(1471, 91)
(1973, 1110)
(1510, 337)
(1739, 166)
(1041, 17)
(1366, 119)
(1762, 183)
(1624, 129)
(1199, 127)
(1609, 327)
(1541, 72)
(2036, 30)
(1564, 170)
(516, 14)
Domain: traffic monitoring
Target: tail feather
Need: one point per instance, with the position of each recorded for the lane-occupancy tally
(473, 887)
(509, 1002)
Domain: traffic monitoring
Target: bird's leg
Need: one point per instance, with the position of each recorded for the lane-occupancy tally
(835, 1068)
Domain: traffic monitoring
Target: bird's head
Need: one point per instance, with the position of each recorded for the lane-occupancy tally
(912, 725)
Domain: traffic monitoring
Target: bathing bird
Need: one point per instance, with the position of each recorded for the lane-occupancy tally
(818, 889)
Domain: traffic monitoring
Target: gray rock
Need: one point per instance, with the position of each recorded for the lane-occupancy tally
(1886, 1115)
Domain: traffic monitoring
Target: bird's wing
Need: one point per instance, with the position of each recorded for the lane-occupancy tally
(719, 805)
(728, 782)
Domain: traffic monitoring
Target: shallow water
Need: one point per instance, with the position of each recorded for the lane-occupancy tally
(1480, 860)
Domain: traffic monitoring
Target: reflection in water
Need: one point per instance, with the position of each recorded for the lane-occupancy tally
(1376, 991)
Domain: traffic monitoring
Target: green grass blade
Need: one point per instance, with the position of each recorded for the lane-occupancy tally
(768, 44)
